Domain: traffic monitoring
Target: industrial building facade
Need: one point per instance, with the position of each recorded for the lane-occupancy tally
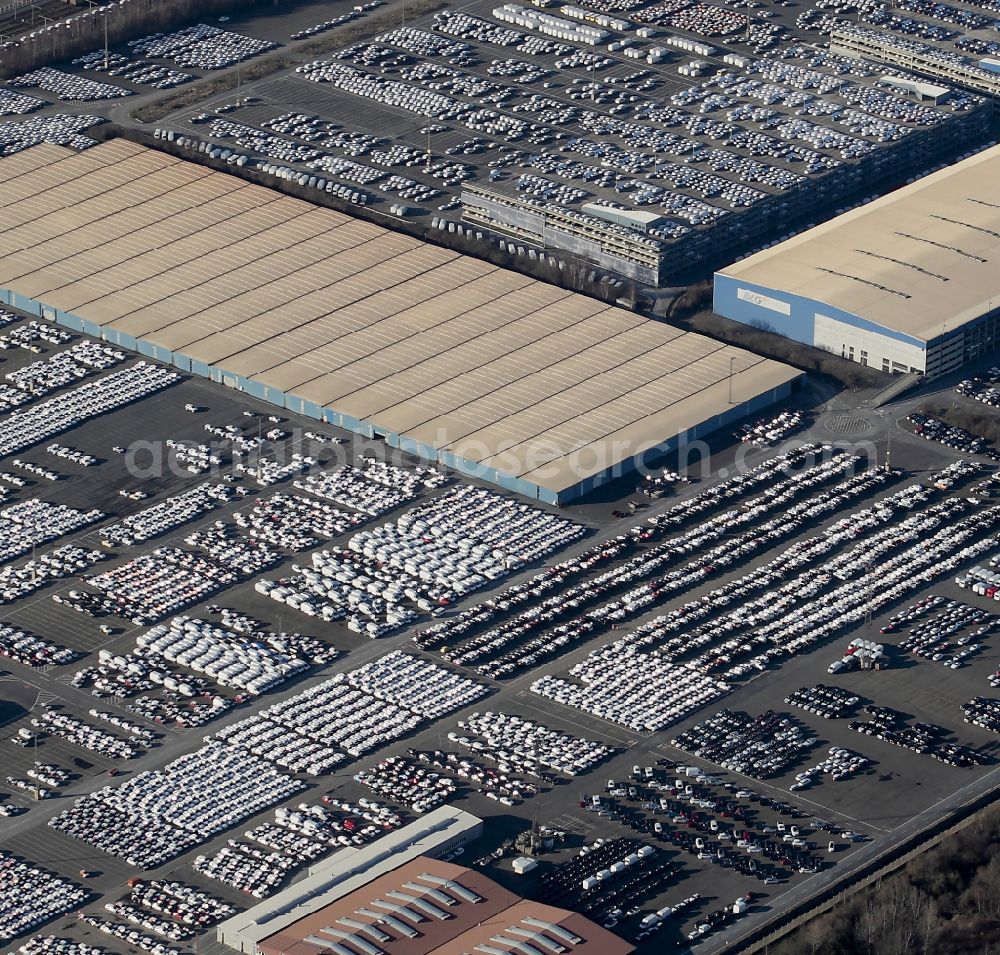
(675, 250)
(541, 391)
(905, 284)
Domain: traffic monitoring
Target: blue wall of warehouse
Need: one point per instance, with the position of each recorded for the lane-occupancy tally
(800, 323)
(367, 429)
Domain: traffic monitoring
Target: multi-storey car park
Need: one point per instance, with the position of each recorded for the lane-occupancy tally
(723, 162)
(981, 75)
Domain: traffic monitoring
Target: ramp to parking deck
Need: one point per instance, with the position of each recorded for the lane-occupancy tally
(898, 386)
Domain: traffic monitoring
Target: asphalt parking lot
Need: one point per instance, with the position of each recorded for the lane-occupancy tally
(882, 800)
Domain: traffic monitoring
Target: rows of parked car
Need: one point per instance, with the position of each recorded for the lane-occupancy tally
(27, 335)
(73, 455)
(316, 651)
(87, 736)
(982, 579)
(768, 432)
(937, 637)
(174, 708)
(137, 72)
(152, 586)
(876, 585)
(126, 675)
(732, 550)
(45, 419)
(228, 548)
(830, 702)
(77, 362)
(37, 470)
(18, 104)
(892, 726)
(158, 814)
(48, 774)
(164, 927)
(338, 822)
(166, 515)
(29, 577)
(983, 712)
(55, 945)
(181, 903)
(713, 820)
(255, 872)
(404, 782)
(293, 522)
(30, 523)
(135, 730)
(62, 129)
(499, 784)
(640, 573)
(527, 747)
(231, 660)
(30, 896)
(300, 848)
(607, 875)
(557, 577)
(130, 935)
(615, 682)
(838, 764)
(951, 436)
(424, 561)
(68, 87)
(201, 47)
(272, 734)
(353, 713)
(642, 693)
(265, 472)
(31, 650)
(325, 25)
(760, 747)
(984, 389)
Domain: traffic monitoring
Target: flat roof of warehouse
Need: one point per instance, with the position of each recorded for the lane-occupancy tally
(420, 341)
(911, 261)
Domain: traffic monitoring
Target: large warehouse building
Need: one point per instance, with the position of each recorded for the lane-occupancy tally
(542, 391)
(397, 897)
(907, 283)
